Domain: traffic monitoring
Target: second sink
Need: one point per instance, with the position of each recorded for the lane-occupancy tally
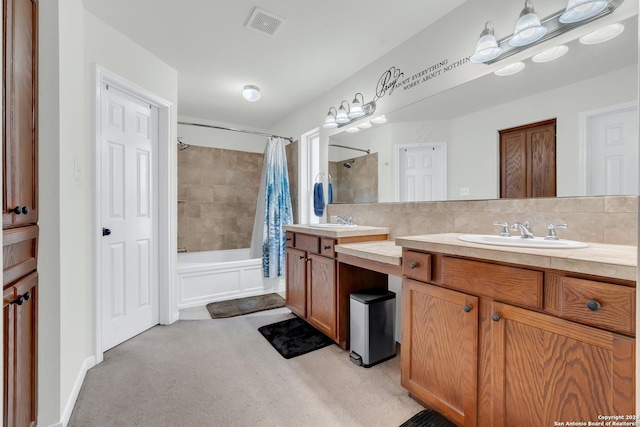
(517, 241)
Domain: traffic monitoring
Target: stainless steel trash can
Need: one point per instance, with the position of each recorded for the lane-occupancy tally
(372, 327)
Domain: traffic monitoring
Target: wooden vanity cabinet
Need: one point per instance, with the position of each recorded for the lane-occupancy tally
(490, 344)
(313, 290)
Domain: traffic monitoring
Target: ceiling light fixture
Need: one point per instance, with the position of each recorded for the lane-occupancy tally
(550, 54)
(510, 69)
(251, 93)
(603, 34)
(528, 28)
(531, 30)
(347, 114)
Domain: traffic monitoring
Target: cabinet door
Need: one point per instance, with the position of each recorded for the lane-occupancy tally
(20, 113)
(296, 282)
(321, 281)
(439, 349)
(20, 335)
(541, 369)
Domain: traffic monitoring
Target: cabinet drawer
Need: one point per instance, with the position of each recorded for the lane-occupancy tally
(290, 239)
(326, 247)
(307, 243)
(598, 304)
(498, 282)
(416, 265)
(19, 251)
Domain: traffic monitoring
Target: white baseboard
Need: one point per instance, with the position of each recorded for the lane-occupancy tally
(89, 363)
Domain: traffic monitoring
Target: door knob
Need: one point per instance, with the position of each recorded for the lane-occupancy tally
(105, 231)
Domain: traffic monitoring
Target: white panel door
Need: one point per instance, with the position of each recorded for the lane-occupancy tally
(129, 282)
(421, 172)
(613, 153)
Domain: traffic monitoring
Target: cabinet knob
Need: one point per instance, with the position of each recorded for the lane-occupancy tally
(26, 296)
(413, 265)
(18, 300)
(467, 308)
(593, 305)
(496, 317)
(326, 247)
(20, 210)
(301, 257)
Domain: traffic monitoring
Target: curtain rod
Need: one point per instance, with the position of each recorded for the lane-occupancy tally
(350, 148)
(290, 139)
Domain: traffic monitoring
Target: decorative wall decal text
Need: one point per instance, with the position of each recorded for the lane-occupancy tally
(388, 82)
(393, 78)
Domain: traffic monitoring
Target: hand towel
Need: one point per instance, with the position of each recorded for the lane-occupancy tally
(330, 193)
(318, 199)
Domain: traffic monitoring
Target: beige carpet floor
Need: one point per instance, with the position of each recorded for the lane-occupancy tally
(222, 372)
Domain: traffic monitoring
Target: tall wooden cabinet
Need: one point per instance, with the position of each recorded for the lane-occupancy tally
(20, 211)
(528, 160)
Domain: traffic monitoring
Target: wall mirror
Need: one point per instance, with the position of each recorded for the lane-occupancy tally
(586, 81)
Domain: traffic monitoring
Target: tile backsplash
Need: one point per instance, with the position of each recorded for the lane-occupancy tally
(606, 219)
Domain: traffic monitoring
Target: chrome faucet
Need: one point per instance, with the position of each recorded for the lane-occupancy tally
(505, 228)
(525, 229)
(342, 220)
(551, 231)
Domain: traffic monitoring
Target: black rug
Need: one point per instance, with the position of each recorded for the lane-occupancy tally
(428, 418)
(294, 337)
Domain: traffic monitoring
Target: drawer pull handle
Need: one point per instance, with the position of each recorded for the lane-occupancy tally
(467, 308)
(593, 305)
(413, 265)
(326, 247)
(289, 239)
(496, 317)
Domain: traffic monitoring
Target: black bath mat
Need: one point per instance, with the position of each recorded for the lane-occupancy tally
(428, 418)
(294, 337)
(241, 306)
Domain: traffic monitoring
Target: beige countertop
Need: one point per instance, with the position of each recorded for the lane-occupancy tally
(336, 232)
(600, 259)
(385, 251)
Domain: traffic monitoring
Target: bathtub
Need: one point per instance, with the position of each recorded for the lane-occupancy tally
(205, 277)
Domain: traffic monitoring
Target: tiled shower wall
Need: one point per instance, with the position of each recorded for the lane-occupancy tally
(217, 195)
(609, 219)
(357, 184)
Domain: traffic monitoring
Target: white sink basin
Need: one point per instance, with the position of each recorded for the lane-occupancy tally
(333, 225)
(517, 241)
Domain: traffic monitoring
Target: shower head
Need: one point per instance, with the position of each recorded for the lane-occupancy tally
(347, 164)
(182, 145)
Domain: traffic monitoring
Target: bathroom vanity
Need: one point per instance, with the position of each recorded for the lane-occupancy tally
(315, 290)
(496, 336)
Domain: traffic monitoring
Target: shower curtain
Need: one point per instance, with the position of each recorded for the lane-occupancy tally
(273, 210)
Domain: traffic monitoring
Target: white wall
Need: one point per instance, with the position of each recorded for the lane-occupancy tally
(72, 42)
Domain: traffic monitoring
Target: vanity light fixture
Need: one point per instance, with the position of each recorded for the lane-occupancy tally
(603, 34)
(528, 28)
(510, 69)
(251, 93)
(343, 116)
(487, 47)
(330, 119)
(347, 114)
(550, 54)
(531, 30)
(579, 10)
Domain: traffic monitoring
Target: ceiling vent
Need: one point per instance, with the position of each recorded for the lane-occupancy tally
(264, 22)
